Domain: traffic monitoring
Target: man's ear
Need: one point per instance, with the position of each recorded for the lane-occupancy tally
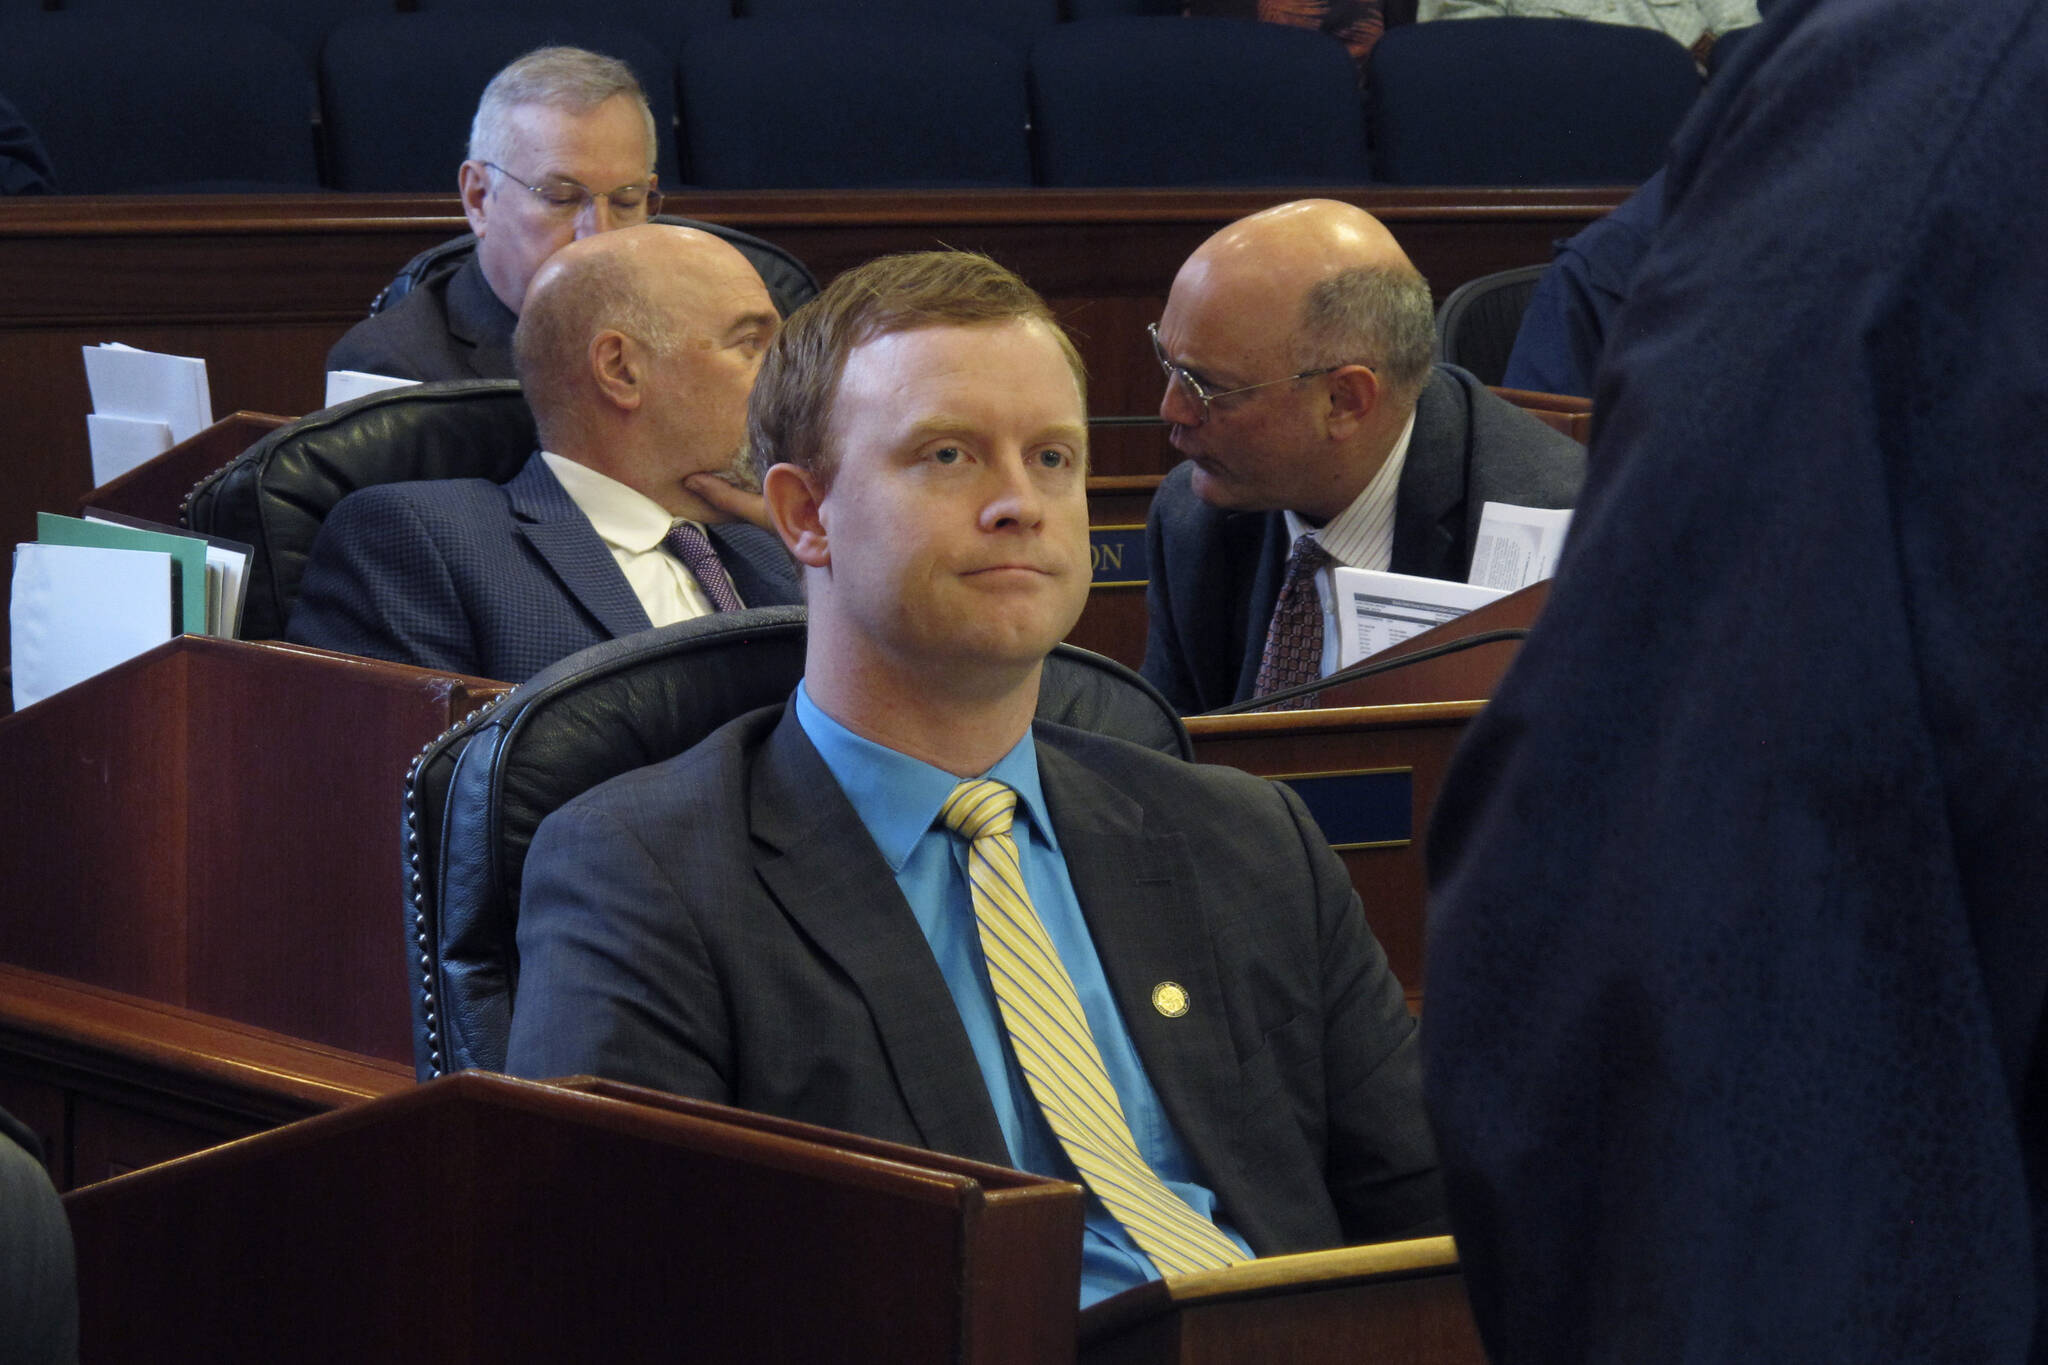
(1355, 394)
(617, 368)
(795, 510)
(472, 182)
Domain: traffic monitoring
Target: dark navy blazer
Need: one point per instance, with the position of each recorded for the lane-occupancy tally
(498, 580)
(450, 328)
(1739, 927)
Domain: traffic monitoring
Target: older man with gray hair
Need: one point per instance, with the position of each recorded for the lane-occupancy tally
(562, 147)
(1297, 347)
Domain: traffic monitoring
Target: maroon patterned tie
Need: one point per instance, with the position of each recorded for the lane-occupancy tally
(1294, 642)
(686, 541)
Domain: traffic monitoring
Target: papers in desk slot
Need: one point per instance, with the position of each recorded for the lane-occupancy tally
(227, 569)
(342, 385)
(1517, 546)
(77, 610)
(1377, 610)
(141, 387)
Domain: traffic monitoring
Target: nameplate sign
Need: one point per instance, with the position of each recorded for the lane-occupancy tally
(1372, 809)
(1118, 555)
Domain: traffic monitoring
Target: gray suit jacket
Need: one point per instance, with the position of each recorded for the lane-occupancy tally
(1216, 574)
(721, 925)
(451, 328)
(498, 580)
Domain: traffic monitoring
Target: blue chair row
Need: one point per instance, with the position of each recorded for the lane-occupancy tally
(762, 103)
(305, 23)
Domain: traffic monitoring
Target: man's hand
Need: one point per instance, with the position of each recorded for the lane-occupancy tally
(724, 493)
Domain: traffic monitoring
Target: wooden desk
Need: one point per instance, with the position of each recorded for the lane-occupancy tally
(482, 1219)
(215, 826)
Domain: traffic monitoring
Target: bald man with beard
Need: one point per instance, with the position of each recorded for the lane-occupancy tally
(1296, 345)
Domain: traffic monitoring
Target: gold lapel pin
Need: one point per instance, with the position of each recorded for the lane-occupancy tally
(1170, 999)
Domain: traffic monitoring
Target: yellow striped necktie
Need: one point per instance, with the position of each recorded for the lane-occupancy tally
(1056, 1049)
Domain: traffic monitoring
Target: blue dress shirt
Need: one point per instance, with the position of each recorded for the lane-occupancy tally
(898, 798)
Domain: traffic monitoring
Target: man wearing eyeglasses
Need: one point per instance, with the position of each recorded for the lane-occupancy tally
(562, 147)
(1297, 349)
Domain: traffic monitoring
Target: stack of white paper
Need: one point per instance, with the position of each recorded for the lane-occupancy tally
(342, 385)
(79, 609)
(143, 404)
(1517, 546)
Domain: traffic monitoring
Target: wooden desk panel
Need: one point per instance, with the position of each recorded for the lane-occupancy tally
(215, 825)
(113, 1083)
(1390, 880)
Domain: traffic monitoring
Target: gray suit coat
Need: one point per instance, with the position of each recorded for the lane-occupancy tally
(720, 925)
(451, 328)
(1216, 574)
(498, 580)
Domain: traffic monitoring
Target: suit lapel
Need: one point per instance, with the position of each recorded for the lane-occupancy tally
(564, 539)
(761, 570)
(1268, 569)
(1137, 894)
(824, 870)
(1429, 505)
(480, 321)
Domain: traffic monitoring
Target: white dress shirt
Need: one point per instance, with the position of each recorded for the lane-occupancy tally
(632, 526)
(1359, 537)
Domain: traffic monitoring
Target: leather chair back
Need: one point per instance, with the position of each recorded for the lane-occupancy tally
(275, 494)
(1477, 322)
(475, 796)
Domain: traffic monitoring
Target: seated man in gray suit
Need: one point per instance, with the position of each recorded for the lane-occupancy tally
(637, 350)
(896, 906)
(1296, 345)
(562, 147)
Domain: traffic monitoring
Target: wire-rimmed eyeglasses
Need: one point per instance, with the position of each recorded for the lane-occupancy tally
(569, 199)
(1202, 393)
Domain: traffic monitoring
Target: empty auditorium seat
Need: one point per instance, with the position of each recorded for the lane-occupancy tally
(304, 24)
(1157, 101)
(150, 105)
(1013, 19)
(773, 105)
(1525, 102)
(397, 93)
(663, 23)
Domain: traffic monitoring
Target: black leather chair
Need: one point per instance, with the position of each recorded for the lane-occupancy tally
(790, 282)
(476, 795)
(1477, 322)
(275, 494)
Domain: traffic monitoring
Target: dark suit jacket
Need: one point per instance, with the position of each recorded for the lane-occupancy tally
(1739, 928)
(451, 328)
(499, 580)
(1557, 348)
(1216, 574)
(721, 925)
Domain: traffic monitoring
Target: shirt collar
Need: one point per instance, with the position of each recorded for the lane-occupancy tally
(1362, 535)
(623, 517)
(899, 797)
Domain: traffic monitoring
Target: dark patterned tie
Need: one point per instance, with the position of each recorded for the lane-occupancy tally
(686, 541)
(1294, 641)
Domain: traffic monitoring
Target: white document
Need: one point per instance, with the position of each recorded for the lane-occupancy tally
(121, 443)
(1376, 610)
(343, 385)
(1517, 546)
(77, 610)
(227, 571)
(172, 389)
